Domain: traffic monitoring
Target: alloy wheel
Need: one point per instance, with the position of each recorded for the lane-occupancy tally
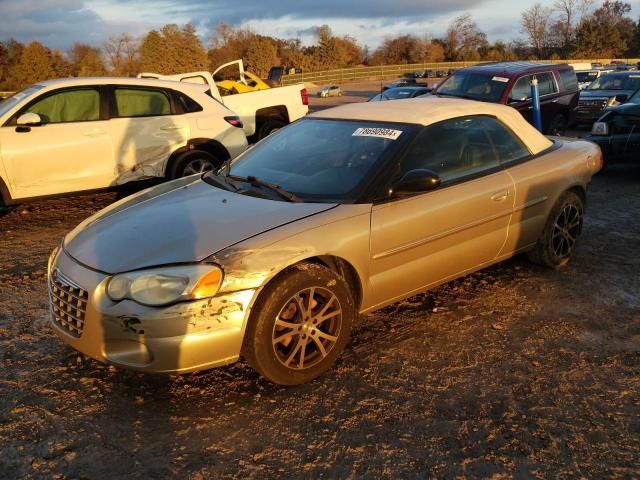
(566, 230)
(197, 165)
(307, 328)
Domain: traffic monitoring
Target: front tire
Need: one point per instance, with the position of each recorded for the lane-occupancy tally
(560, 235)
(299, 325)
(193, 162)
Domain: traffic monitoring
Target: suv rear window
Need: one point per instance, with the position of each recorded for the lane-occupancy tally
(186, 104)
(569, 79)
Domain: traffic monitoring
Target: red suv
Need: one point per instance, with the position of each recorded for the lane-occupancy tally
(509, 83)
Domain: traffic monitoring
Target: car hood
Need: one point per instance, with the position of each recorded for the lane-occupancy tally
(178, 222)
(626, 109)
(584, 94)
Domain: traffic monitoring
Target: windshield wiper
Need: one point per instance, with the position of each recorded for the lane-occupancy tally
(261, 183)
(219, 180)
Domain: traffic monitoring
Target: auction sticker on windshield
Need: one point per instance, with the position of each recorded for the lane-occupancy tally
(388, 133)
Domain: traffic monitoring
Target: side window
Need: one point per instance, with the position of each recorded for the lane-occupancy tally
(521, 90)
(82, 105)
(139, 102)
(546, 83)
(507, 146)
(452, 149)
(569, 79)
(186, 103)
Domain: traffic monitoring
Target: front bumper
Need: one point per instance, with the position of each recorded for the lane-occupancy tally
(180, 338)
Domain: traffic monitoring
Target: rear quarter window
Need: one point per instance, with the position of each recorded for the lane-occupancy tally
(186, 104)
(568, 79)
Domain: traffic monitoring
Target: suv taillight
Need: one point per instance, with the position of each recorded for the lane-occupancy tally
(235, 121)
(305, 96)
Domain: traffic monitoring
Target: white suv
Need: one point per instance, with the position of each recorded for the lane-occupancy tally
(77, 134)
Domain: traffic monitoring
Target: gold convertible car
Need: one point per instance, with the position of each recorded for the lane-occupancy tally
(341, 213)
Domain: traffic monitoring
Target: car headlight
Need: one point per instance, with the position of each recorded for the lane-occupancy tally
(163, 286)
(600, 128)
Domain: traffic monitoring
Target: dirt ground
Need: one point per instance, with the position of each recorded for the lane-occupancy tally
(516, 371)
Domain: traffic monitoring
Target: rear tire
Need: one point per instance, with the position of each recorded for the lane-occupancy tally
(557, 125)
(299, 325)
(560, 235)
(269, 127)
(193, 162)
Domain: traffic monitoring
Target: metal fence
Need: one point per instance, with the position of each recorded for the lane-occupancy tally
(341, 75)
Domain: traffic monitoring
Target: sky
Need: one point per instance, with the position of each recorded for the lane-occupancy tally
(60, 23)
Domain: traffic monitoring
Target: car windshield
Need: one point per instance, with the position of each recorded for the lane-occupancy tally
(635, 98)
(477, 86)
(16, 98)
(321, 160)
(616, 82)
(584, 77)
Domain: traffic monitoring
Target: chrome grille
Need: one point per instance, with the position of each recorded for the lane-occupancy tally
(594, 107)
(68, 303)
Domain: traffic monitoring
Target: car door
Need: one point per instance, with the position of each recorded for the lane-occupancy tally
(425, 239)
(70, 151)
(144, 130)
(624, 136)
(520, 97)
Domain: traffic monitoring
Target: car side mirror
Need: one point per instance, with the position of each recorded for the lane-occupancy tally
(415, 181)
(521, 98)
(29, 119)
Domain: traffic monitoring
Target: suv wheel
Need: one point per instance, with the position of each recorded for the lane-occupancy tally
(269, 127)
(193, 162)
(557, 125)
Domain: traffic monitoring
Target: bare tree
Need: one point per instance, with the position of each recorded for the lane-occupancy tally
(122, 54)
(464, 38)
(571, 15)
(536, 23)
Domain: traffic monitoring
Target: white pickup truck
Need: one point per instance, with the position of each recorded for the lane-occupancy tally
(261, 111)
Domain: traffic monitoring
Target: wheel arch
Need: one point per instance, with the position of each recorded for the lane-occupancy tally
(5, 196)
(339, 265)
(580, 191)
(208, 145)
(276, 112)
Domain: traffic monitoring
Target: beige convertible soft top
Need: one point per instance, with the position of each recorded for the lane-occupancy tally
(432, 109)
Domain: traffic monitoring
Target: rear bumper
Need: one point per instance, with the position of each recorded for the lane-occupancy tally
(180, 338)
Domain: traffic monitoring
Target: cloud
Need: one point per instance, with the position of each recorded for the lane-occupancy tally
(59, 23)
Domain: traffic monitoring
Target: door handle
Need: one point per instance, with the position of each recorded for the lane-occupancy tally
(500, 196)
(172, 127)
(93, 132)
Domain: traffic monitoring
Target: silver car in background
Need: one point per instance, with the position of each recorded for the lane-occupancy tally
(330, 91)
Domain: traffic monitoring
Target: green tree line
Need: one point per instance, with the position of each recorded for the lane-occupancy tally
(567, 29)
